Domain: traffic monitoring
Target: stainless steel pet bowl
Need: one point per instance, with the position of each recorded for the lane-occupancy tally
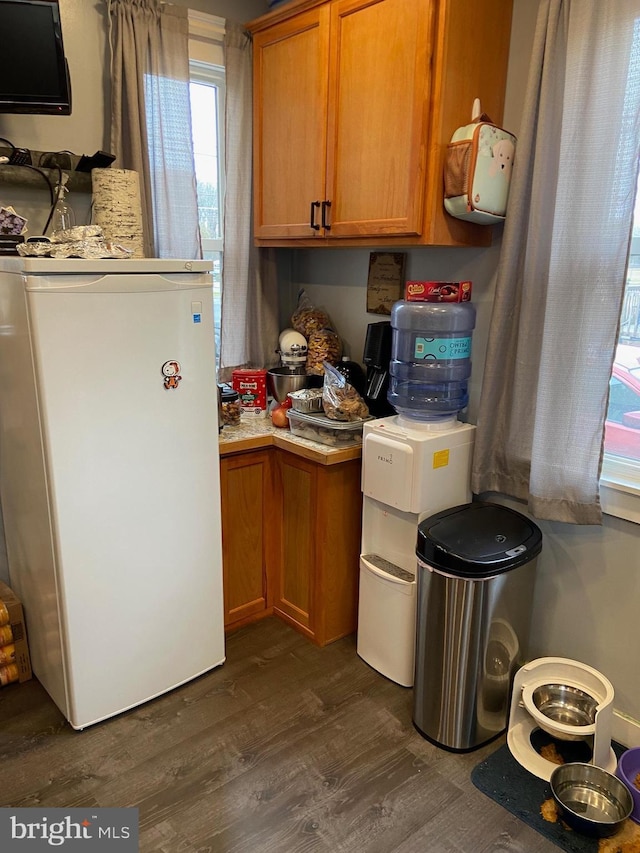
(589, 799)
(561, 703)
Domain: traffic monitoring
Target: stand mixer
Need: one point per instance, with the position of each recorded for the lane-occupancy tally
(292, 347)
(569, 701)
(291, 375)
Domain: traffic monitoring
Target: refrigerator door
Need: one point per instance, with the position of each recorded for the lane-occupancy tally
(125, 377)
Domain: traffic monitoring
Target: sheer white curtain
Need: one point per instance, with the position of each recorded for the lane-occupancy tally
(249, 313)
(151, 120)
(562, 267)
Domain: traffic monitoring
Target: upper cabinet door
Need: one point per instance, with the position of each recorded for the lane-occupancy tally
(379, 89)
(290, 120)
(355, 102)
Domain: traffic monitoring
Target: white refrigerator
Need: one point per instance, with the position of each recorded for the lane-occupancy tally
(109, 476)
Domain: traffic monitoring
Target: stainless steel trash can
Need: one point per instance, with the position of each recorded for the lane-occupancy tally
(476, 575)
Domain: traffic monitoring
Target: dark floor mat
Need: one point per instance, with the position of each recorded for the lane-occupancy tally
(502, 779)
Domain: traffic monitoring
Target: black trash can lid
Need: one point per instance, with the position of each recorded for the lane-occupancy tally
(478, 540)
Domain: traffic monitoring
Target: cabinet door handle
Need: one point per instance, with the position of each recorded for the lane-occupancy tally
(325, 224)
(312, 215)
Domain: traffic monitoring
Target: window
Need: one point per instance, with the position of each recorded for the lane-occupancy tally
(207, 126)
(620, 480)
(207, 106)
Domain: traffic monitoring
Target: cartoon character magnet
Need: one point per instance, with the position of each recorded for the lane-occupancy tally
(171, 373)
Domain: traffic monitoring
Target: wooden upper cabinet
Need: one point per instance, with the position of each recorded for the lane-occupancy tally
(379, 75)
(290, 96)
(354, 104)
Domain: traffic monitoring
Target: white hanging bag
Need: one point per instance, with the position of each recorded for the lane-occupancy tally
(477, 171)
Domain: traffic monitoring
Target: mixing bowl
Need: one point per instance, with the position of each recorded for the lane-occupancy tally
(589, 799)
(562, 703)
(283, 380)
(628, 771)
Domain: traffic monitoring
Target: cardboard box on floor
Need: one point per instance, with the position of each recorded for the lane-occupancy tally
(16, 620)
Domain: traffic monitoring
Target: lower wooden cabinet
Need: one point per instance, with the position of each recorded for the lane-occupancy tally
(316, 586)
(291, 541)
(249, 535)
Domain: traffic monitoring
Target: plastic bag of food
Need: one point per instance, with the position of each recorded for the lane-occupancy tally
(340, 400)
(307, 319)
(323, 346)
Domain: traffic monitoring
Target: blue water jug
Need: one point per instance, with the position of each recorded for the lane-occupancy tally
(430, 358)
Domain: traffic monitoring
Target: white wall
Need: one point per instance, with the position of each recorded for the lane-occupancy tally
(588, 589)
(84, 131)
(235, 10)
(83, 31)
(336, 279)
(587, 600)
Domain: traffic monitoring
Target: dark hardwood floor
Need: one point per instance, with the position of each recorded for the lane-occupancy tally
(286, 747)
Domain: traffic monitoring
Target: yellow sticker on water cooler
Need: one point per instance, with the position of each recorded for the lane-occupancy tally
(441, 458)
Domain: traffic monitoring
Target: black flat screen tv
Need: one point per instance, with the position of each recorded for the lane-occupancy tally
(34, 76)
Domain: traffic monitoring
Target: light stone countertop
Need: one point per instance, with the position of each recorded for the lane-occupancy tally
(257, 432)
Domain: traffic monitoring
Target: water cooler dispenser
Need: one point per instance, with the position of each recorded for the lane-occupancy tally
(414, 464)
(410, 470)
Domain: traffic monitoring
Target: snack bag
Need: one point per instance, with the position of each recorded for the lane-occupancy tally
(323, 346)
(307, 319)
(340, 400)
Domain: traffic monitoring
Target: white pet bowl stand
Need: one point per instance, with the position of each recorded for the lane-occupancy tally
(525, 718)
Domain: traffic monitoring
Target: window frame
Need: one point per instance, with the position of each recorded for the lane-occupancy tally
(206, 66)
(620, 476)
(620, 489)
(206, 74)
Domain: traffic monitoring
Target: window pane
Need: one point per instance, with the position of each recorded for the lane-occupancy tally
(622, 429)
(207, 107)
(204, 118)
